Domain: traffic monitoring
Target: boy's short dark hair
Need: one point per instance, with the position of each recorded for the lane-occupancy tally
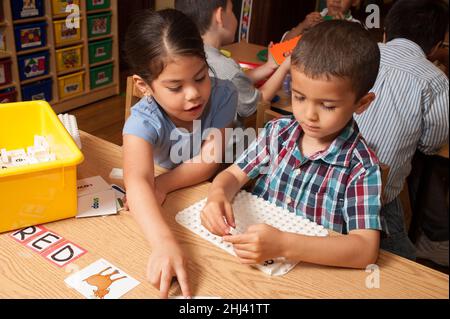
(342, 49)
(423, 21)
(200, 11)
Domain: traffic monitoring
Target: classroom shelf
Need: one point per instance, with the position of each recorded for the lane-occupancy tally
(39, 78)
(103, 37)
(4, 54)
(30, 51)
(88, 96)
(6, 86)
(30, 20)
(69, 44)
(93, 65)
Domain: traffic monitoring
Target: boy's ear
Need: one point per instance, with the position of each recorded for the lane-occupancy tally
(142, 85)
(356, 3)
(364, 103)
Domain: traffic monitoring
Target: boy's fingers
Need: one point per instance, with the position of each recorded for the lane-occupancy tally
(245, 254)
(237, 239)
(229, 215)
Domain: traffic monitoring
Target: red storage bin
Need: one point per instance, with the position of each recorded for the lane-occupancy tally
(5, 71)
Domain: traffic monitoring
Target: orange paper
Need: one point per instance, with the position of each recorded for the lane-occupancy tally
(281, 51)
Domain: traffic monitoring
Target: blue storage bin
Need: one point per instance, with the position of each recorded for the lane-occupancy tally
(41, 90)
(30, 36)
(33, 65)
(24, 9)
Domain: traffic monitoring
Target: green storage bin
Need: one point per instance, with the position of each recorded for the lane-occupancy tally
(100, 51)
(99, 24)
(101, 76)
(97, 4)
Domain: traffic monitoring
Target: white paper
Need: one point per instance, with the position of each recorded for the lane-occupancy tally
(91, 185)
(98, 204)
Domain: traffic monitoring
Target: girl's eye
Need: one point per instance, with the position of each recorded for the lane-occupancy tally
(177, 89)
(201, 79)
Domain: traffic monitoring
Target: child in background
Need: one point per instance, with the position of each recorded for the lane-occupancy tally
(314, 163)
(336, 9)
(165, 50)
(217, 24)
(410, 113)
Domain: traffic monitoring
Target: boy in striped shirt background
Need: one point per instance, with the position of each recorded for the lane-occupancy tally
(314, 163)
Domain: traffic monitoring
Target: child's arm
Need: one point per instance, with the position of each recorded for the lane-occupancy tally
(264, 71)
(262, 242)
(223, 189)
(197, 170)
(167, 259)
(274, 83)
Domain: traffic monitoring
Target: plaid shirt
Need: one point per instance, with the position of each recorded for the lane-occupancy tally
(339, 188)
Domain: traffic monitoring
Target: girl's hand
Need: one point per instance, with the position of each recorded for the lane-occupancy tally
(261, 242)
(168, 261)
(217, 216)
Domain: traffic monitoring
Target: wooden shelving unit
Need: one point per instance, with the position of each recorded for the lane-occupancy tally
(89, 95)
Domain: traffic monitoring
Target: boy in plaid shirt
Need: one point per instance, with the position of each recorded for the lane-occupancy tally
(314, 163)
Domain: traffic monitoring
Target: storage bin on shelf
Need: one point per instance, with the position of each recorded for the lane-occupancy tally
(101, 75)
(100, 51)
(99, 24)
(5, 71)
(30, 36)
(40, 90)
(69, 58)
(43, 192)
(64, 34)
(8, 95)
(71, 85)
(97, 4)
(59, 6)
(34, 65)
(24, 9)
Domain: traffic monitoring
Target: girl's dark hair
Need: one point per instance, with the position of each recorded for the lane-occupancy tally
(424, 22)
(154, 36)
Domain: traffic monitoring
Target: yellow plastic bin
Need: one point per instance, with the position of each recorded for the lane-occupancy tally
(43, 192)
(70, 85)
(65, 35)
(69, 58)
(59, 6)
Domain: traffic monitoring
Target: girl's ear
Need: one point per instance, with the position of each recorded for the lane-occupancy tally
(142, 85)
(218, 16)
(364, 103)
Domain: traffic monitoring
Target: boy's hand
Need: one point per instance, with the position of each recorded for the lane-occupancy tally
(217, 216)
(168, 261)
(260, 242)
(311, 20)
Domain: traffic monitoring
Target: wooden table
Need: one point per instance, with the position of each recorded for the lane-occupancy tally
(213, 272)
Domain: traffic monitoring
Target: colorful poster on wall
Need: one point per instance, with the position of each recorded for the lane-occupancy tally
(246, 18)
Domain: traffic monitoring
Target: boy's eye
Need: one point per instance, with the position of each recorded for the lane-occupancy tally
(299, 98)
(328, 107)
(176, 89)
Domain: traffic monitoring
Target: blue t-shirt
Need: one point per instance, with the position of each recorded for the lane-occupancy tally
(149, 121)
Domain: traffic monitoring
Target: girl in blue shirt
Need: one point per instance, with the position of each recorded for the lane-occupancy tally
(181, 103)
